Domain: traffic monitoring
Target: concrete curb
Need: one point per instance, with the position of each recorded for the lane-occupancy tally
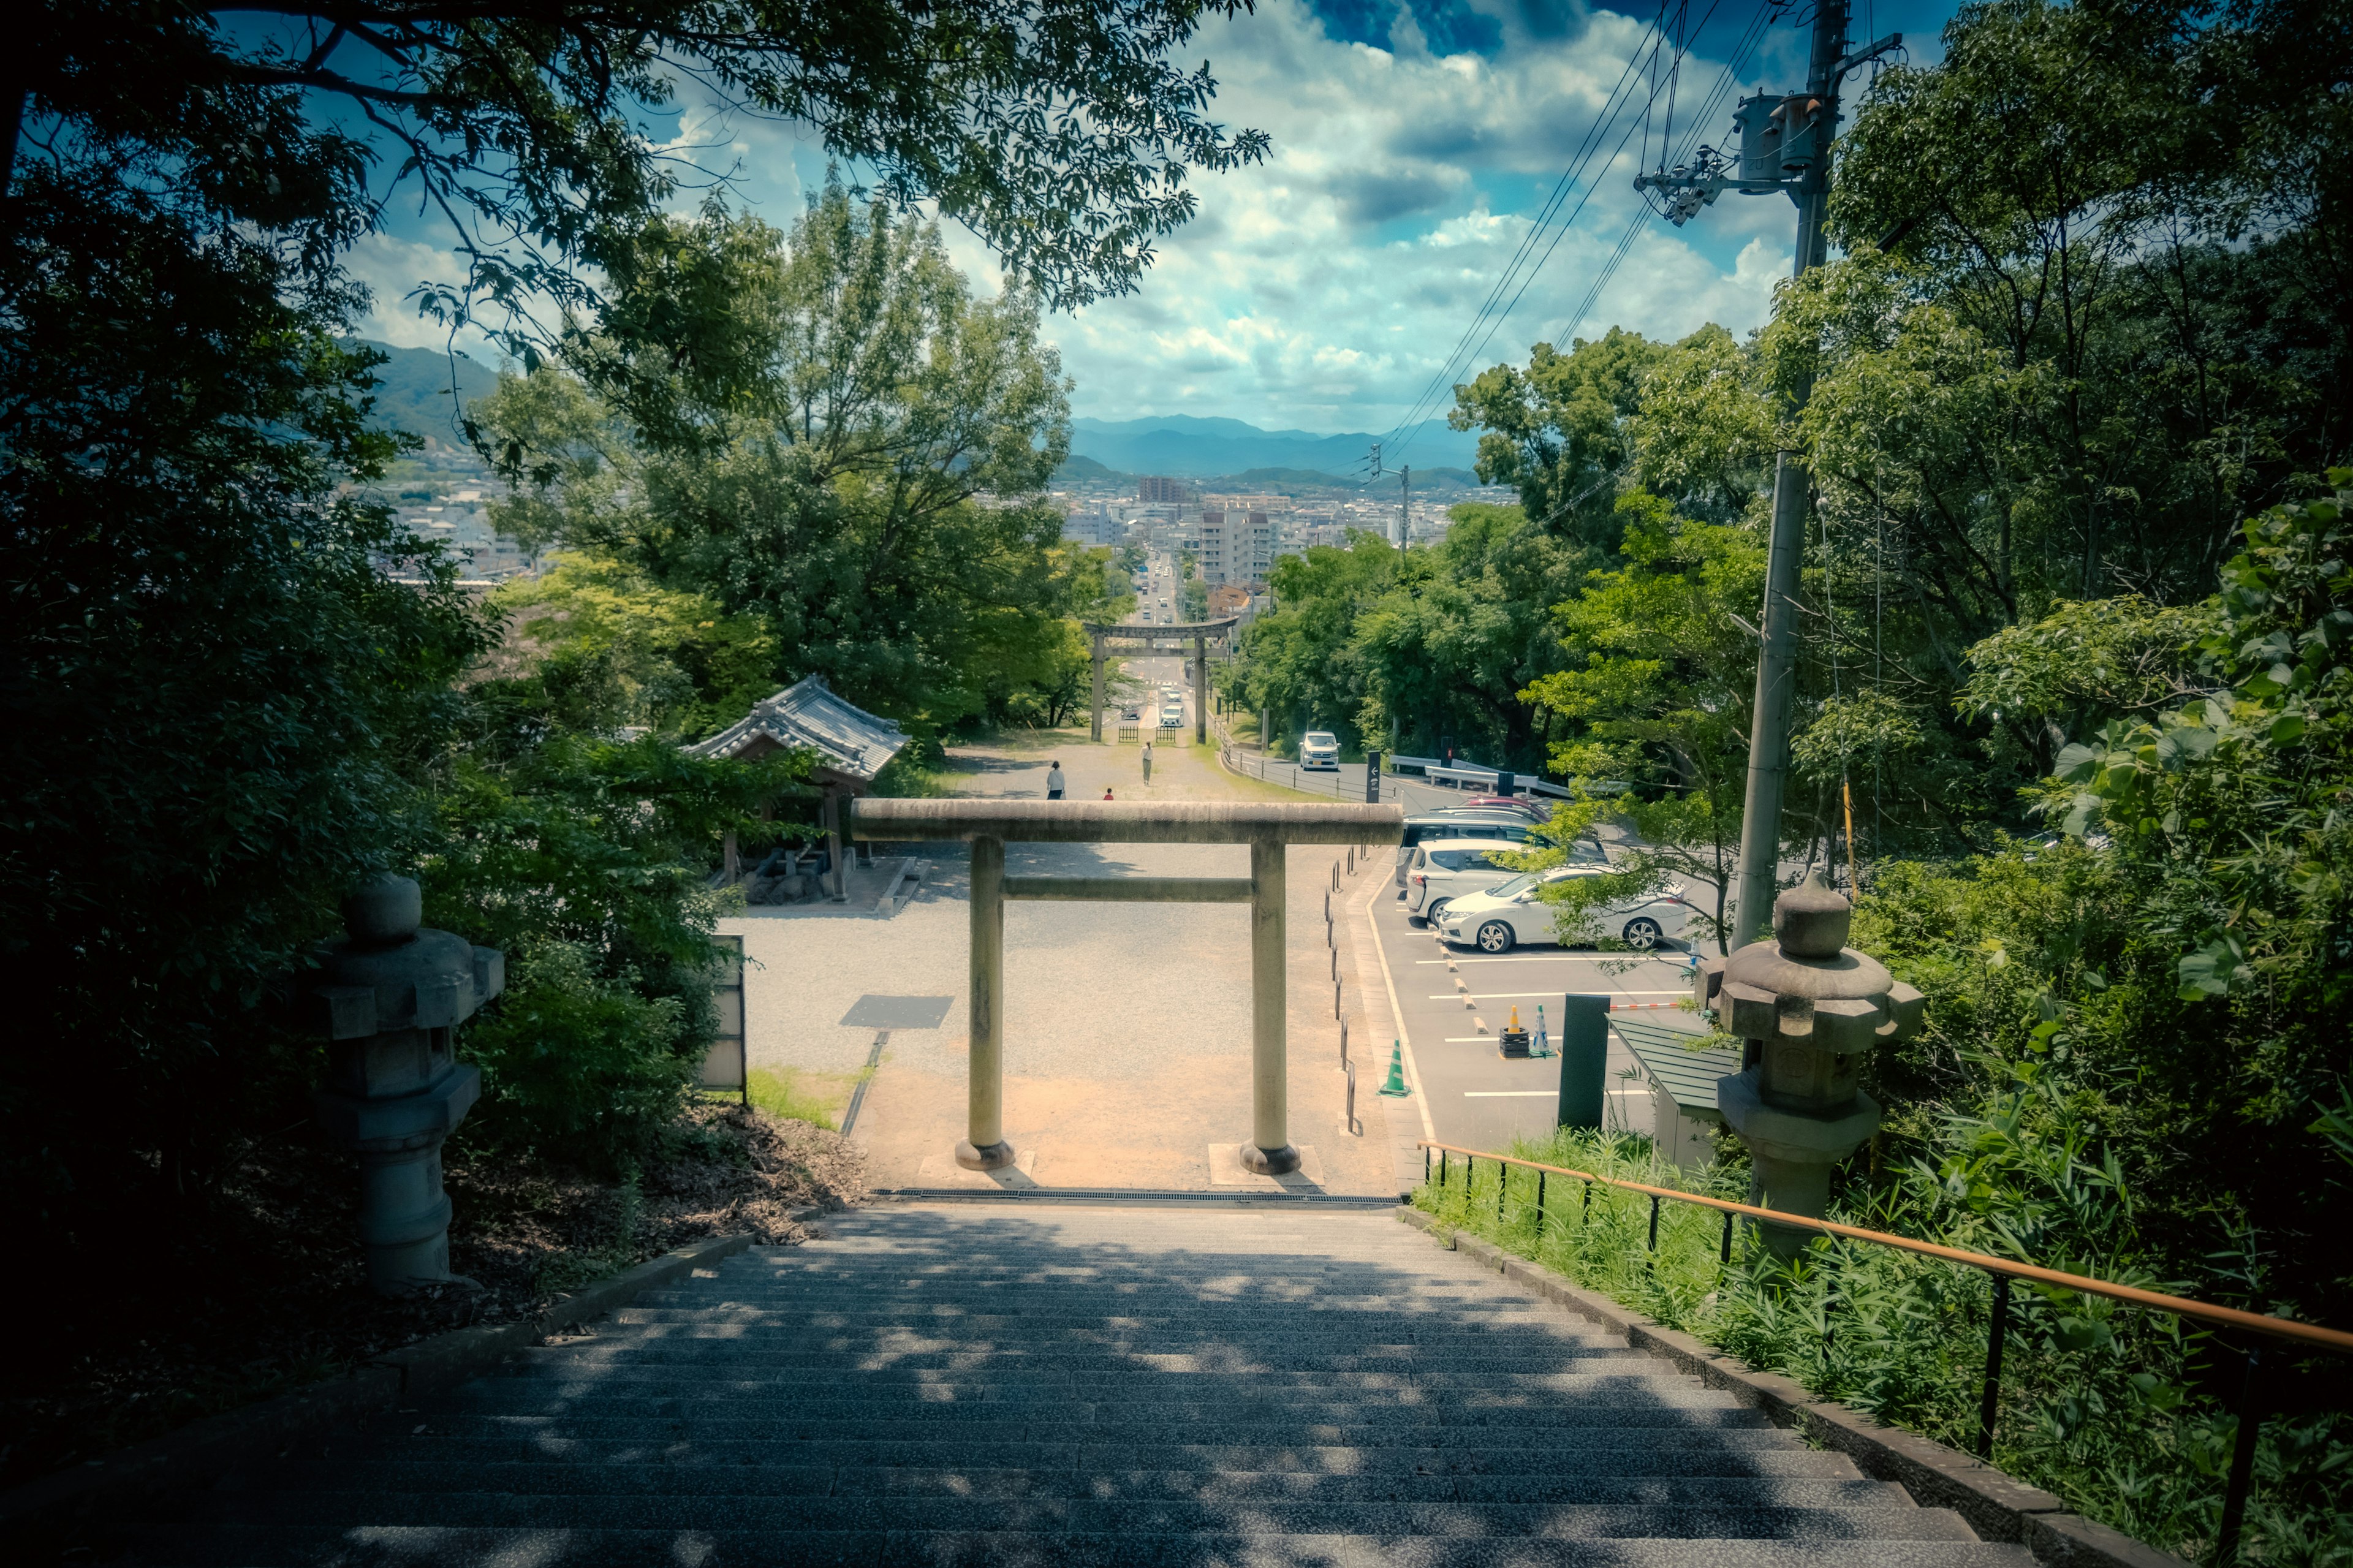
(204, 1450)
(1998, 1507)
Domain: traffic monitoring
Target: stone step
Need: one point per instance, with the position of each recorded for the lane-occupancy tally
(637, 1350)
(1661, 1452)
(1370, 1430)
(1371, 1335)
(547, 1477)
(1078, 1515)
(1171, 1402)
(534, 1370)
(265, 1547)
(1323, 1319)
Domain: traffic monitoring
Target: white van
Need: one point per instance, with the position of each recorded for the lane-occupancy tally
(1319, 749)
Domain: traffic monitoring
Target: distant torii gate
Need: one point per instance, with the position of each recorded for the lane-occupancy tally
(1152, 640)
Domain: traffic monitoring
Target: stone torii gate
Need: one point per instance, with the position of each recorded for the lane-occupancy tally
(1268, 828)
(1152, 640)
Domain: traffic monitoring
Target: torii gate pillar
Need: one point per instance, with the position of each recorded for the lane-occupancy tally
(1200, 689)
(1094, 714)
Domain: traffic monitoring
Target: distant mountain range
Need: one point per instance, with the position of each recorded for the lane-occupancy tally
(1192, 447)
(415, 396)
(414, 390)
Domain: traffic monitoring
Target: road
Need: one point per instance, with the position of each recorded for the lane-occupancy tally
(1158, 603)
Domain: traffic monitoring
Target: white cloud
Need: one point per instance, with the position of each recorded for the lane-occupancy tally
(1323, 288)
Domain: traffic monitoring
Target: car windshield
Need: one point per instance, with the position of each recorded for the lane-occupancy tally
(1318, 738)
(1513, 888)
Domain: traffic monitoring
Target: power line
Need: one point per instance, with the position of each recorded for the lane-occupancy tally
(1423, 405)
(1749, 39)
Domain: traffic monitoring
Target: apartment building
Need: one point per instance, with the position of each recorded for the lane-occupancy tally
(1236, 546)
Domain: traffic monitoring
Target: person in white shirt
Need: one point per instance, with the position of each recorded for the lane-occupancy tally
(1054, 782)
(1148, 761)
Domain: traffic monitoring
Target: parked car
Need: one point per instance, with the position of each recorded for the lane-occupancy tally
(1441, 872)
(1512, 824)
(1319, 749)
(1501, 917)
(1527, 805)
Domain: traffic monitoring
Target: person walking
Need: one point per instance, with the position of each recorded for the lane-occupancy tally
(1054, 782)
(1148, 761)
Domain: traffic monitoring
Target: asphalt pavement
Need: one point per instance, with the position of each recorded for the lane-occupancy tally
(1454, 1004)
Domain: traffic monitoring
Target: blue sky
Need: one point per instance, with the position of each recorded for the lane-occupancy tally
(1413, 143)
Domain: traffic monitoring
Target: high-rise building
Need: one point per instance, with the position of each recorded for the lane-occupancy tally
(1158, 489)
(1253, 550)
(1217, 546)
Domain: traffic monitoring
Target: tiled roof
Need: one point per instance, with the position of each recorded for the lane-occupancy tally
(847, 739)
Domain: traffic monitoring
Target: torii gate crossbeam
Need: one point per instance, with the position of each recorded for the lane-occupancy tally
(1151, 638)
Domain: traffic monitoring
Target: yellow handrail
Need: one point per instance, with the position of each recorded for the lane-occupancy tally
(2180, 1306)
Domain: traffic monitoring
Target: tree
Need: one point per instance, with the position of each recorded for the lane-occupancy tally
(1061, 135)
(223, 712)
(584, 859)
(597, 647)
(1301, 660)
(1653, 697)
(1557, 430)
(811, 431)
(1464, 629)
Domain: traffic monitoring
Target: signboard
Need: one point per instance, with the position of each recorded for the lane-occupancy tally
(725, 1065)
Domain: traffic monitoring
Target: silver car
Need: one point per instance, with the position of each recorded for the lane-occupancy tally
(1498, 918)
(1446, 824)
(1440, 873)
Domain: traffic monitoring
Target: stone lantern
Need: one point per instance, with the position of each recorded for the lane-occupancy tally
(388, 997)
(1808, 1008)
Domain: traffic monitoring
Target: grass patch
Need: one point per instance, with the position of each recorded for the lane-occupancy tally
(802, 1094)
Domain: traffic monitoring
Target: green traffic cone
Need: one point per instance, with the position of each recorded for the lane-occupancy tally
(1395, 1088)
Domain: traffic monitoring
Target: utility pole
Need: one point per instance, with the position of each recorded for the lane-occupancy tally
(1404, 517)
(1785, 145)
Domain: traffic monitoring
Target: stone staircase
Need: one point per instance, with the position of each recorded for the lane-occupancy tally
(1001, 1385)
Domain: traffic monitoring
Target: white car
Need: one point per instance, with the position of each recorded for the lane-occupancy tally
(1319, 749)
(1499, 918)
(1172, 717)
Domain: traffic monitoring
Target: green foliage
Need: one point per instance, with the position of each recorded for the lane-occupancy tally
(1059, 135)
(1435, 641)
(2103, 1403)
(219, 703)
(608, 647)
(1654, 700)
(584, 859)
(801, 430)
(577, 1063)
(1557, 431)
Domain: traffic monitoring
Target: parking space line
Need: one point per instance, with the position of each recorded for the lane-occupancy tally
(1509, 1093)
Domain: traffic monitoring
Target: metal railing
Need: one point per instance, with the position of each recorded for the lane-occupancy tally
(1290, 775)
(2002, 1270)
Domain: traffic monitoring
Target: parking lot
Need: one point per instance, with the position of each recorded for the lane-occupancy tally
(1473, 1095)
